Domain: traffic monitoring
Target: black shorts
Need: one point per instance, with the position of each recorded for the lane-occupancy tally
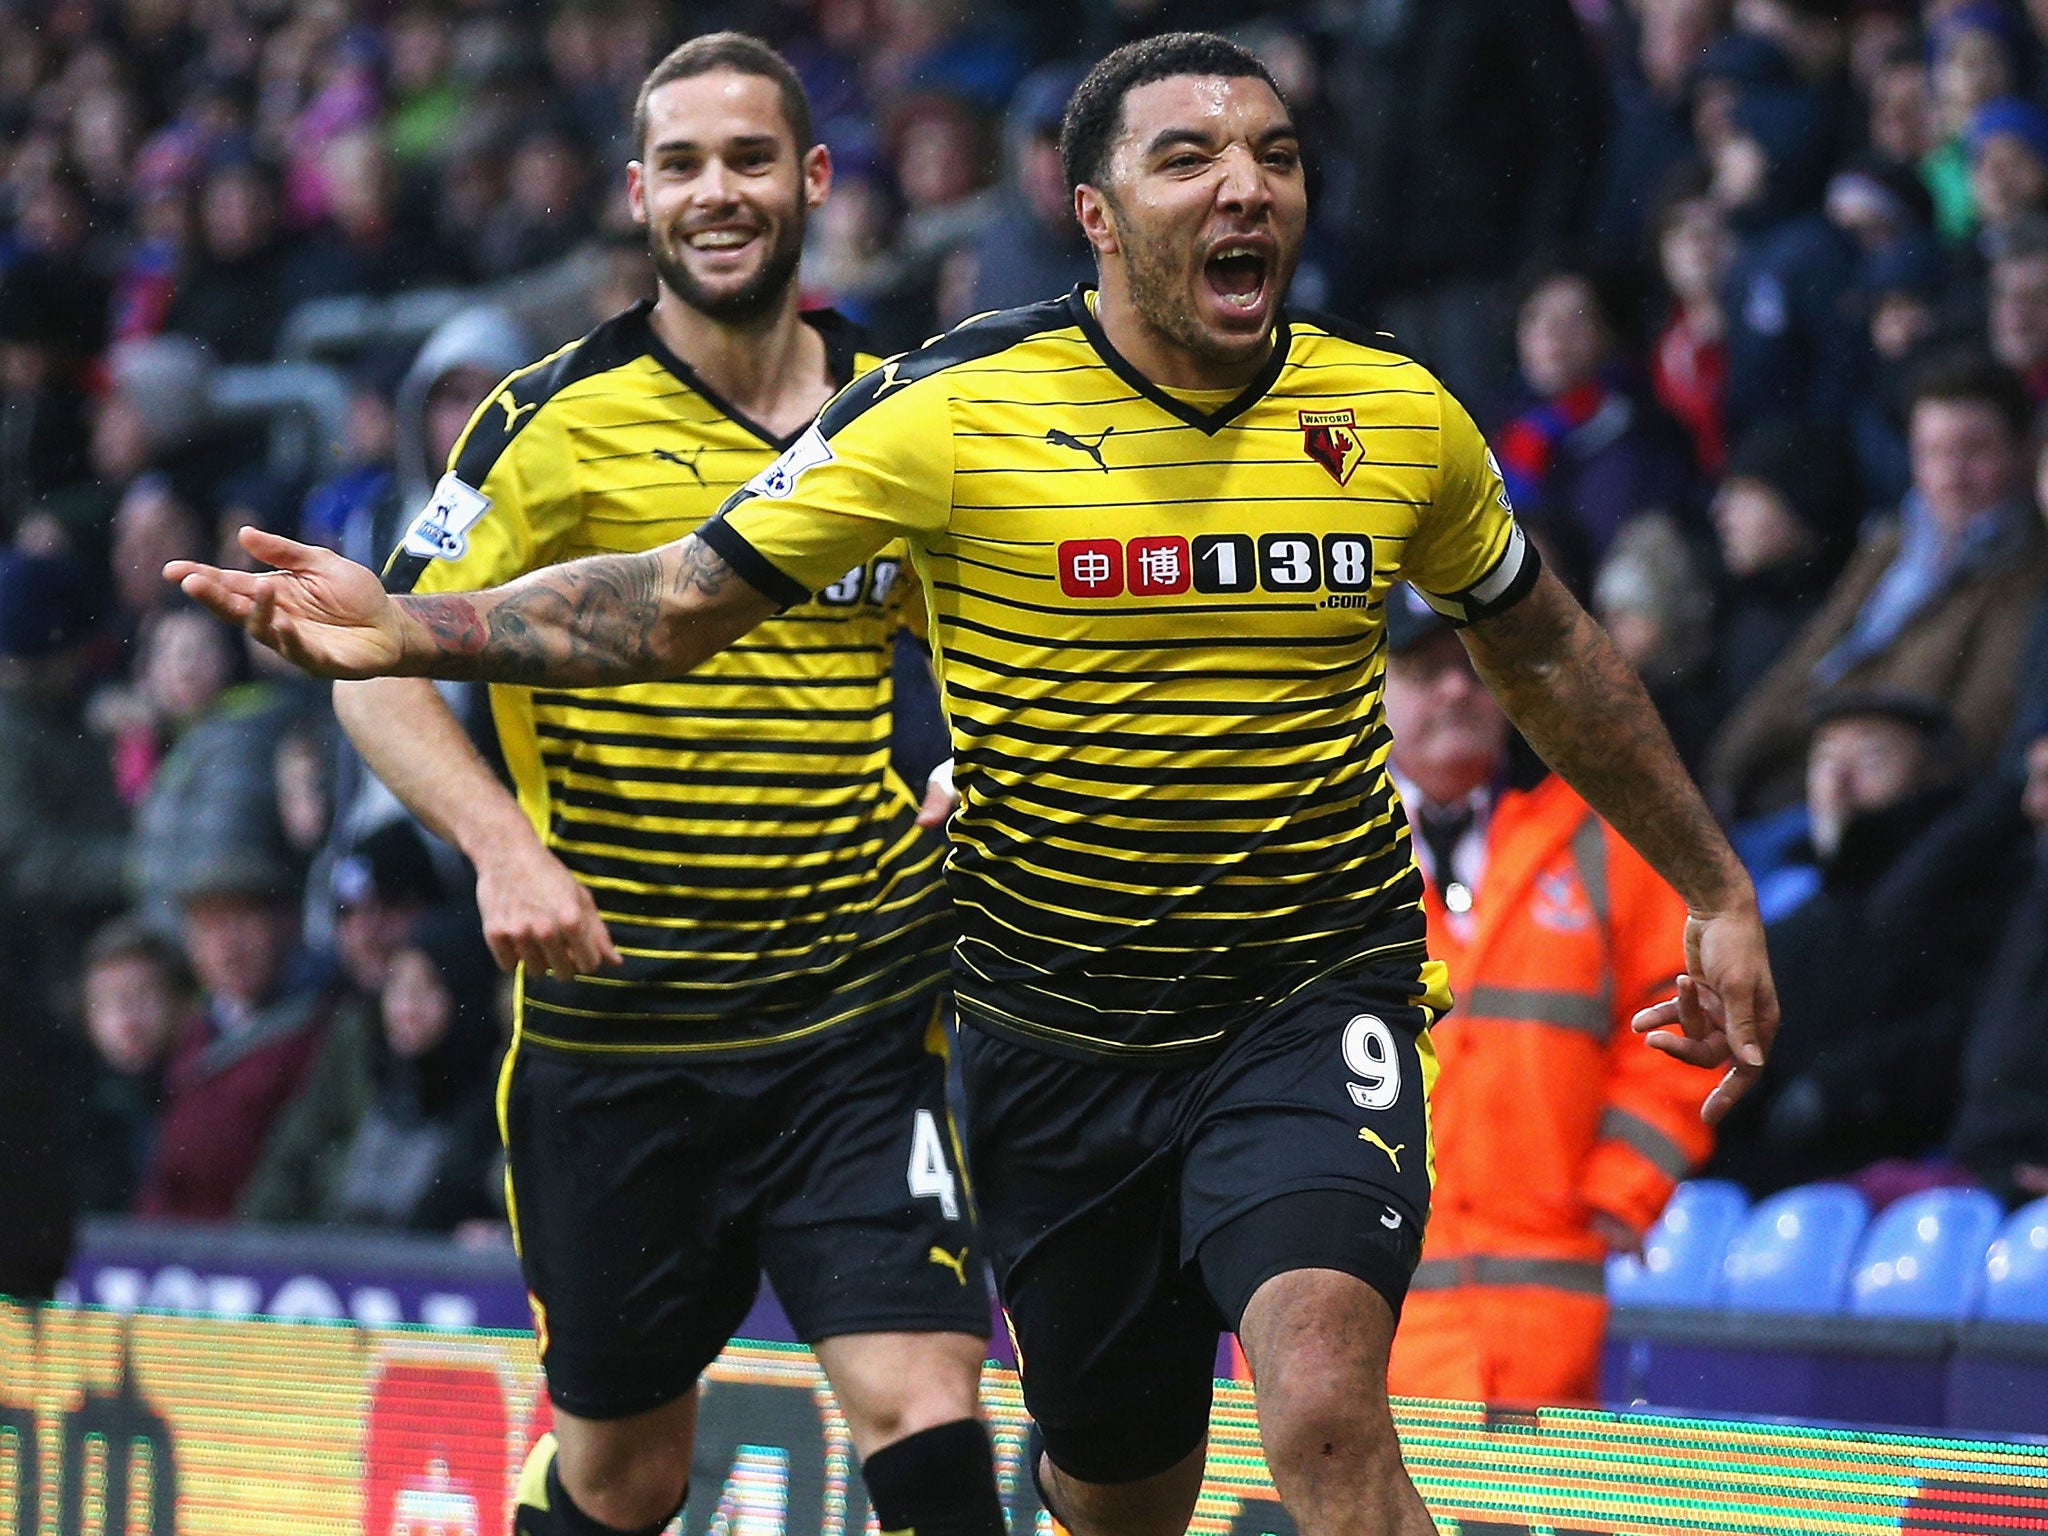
(1132, 1211)
(647, 1200)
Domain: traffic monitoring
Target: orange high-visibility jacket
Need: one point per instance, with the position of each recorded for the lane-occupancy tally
(1548, 1106)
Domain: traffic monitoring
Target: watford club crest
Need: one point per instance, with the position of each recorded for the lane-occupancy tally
(1331, 439)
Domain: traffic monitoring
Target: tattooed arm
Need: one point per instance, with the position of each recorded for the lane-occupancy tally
(1581, 706)
(605, 620)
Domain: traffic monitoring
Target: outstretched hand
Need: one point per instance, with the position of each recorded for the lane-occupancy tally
(1726, 1010)
(323, 613)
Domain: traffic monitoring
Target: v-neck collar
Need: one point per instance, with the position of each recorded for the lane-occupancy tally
(841, 346)
(1208, 422)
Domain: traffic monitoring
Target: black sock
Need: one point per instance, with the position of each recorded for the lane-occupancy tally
(938, 1482)
(563, 1517)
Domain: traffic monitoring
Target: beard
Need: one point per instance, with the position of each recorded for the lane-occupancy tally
(1157, 271)
(755, 298)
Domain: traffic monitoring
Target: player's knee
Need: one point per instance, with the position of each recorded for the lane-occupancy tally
(890, 1395)
(1312, 1419)
(605, 1498)
(626, 1483)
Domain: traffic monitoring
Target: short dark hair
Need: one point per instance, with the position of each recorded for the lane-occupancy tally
(1969, 375)
(125, 938)
(741, 54)
(1094, 115)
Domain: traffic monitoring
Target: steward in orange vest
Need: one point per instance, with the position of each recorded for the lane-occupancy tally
(1558, 1135)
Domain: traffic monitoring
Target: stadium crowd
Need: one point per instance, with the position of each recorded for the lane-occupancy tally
(1751, 297)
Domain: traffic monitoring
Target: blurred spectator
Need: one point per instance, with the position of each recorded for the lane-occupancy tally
(1468, 147)
(2008, 143)
(396, 1124)
(381, 891)
(185, 660)
(940, 159)
(49, 252)
(1554, 931)
(42, 395)
(1689, 366)
(2001, 1127)
(152, 526)
(63, 836)
(927, 45)
(851, 256)
(1649, 129)
(1975, 62)
(214, 796)
(139, 998)
(368, 451)
(1901, 125)
(361, 246)
(304, 768)
(1587, 450)
(148, 280)
(545, 213)
(234, 298)
(1657, 603)
(1879, 204)
(264, 1017)
(1935, 601)
(1785, 518)
(1906, 286)
(1867, 970)
(2019, 306)
(158, 415)
(251, 498)
(426, 99)
(1790, 351)
(1031, 247)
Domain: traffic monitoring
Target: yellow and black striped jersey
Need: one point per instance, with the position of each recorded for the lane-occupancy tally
(756, 857)
(1158, 621)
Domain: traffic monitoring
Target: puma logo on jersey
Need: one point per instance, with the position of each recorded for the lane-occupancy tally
(889, 379)
(513, 411)
(1367, 1133)
(1061, 439)
(690, 463)
(957, 1264)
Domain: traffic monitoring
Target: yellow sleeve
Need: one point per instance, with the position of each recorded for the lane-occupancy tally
(876, 465)
(506, 506)
(1468, 557)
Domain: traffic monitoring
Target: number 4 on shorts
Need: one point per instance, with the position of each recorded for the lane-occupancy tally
(929, 1173)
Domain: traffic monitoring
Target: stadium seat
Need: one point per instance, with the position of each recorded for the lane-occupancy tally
(1791, 1254)
(1681, 1262)
(1924, 1256)
(2016, 1268)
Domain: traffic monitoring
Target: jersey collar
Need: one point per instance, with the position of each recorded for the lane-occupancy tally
(842, 342)
(1209, 422)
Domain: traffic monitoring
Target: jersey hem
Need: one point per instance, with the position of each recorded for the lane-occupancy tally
(729, 1049)
(1141, 1056)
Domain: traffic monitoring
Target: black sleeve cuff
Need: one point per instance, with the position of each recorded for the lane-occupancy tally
(753, 569)
(402, 572)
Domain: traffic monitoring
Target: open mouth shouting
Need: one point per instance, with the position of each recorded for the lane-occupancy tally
(1237, 278)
